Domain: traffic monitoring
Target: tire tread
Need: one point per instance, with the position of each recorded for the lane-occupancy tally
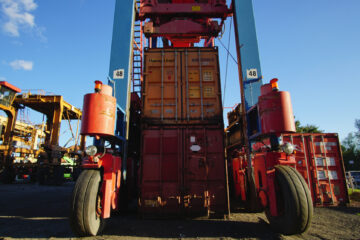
(298, 206)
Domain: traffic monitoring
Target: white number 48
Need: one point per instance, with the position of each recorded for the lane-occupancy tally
(251, 73)
(118, 74)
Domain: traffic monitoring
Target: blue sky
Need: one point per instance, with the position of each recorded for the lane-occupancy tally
(311, 46)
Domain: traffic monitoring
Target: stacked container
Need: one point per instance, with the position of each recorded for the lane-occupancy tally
(182, 162)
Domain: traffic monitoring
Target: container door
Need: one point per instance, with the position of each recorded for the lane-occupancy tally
(161, 170)
(201, 85)
(162, 81)
(328, 166)
(204, 170)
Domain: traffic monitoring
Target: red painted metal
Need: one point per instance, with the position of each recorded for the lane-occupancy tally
(203, 8)
(183, 28)
(12, 87)
(183, 170)
(239, 177)
(319, 161)
(183, 22)
(264, 173)
(266, 89)
(326, 179)
(111, 179)
(275, 111)
(98, 114)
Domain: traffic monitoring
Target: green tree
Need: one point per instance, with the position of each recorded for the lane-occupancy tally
(309, 128)
(351, 149)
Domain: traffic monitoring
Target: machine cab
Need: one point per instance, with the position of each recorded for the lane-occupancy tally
(7, 93)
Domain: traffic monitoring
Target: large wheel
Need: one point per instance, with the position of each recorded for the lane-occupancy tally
(85, 209)
(294, 203)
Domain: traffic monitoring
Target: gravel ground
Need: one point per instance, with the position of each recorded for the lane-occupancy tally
(33, 211)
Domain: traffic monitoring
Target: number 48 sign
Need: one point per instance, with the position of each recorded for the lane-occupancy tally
(251, 73)
(119, 74)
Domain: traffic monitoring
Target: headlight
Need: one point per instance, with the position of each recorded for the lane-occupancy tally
(91, 150)
(288, 148)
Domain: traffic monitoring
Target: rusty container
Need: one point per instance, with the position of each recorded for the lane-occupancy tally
(319, 161)
(99, 113)
(182, 86)
(183, 170)
(275, 111)
(201, 84)
(162, 85)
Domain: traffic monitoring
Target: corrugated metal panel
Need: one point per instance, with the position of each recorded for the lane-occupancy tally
(182, 85)
(201, 84)
(183, 170)
(162, 85)
(319, 161)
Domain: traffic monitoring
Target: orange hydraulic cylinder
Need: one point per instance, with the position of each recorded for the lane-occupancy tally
(275, 111)
(99, 111)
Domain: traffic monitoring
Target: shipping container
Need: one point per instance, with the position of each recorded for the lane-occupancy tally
(319, 161)
(183, 170)
(181, 86)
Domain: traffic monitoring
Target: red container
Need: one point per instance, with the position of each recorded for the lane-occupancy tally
(239, 177)
(98, 114)
(183, 170)
(319, 161)
(275, 111)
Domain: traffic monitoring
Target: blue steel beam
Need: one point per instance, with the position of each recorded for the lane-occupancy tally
(249, 52)
(121, 62)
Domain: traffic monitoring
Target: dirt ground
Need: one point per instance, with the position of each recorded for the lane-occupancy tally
(33, 211)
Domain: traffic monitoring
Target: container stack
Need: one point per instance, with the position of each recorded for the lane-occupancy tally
(182, 162)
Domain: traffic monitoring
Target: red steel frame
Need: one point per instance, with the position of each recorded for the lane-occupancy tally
(110, 167)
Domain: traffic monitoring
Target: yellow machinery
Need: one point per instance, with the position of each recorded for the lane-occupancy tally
(7, 95)
(51, 165)
(34, 150)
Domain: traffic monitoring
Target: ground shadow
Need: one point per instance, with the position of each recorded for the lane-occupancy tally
(32, 211)
(131, 225)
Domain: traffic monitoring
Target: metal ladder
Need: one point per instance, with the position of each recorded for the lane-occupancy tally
(137, 70)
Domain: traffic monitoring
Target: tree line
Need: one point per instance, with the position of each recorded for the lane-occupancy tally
(351, 149)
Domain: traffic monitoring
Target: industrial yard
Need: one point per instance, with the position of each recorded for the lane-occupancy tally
(156, 152)
(26, 213)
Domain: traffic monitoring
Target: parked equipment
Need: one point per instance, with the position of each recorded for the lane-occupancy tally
(7, 96)
(34, 151)
(166, 152)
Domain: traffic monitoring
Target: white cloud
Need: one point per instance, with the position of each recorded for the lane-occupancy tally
(17, 15)
(22, 64)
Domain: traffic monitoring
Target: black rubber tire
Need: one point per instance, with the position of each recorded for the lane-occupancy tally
(83, 218)
(295, 208)
(308, 199)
